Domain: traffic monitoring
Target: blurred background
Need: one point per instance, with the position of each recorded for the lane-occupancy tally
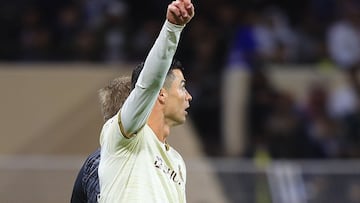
(275, 115)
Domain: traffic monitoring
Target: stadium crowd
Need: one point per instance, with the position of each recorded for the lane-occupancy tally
(250, 33)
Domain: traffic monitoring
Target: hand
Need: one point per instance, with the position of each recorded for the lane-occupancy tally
(180, 12)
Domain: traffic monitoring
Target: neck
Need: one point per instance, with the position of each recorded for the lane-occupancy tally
(159, 125)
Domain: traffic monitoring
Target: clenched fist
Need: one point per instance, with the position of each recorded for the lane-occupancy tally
(180, 12)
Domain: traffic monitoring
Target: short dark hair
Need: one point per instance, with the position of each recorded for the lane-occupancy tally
(175, 64)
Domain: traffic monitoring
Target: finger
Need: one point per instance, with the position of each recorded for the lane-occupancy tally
(174, 10)
(174, 15)
(187, 3)
(180, 5)
(190, 9)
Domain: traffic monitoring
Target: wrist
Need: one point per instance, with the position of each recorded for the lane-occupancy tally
(173, 26)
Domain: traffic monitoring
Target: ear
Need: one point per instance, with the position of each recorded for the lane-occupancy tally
(162, 95)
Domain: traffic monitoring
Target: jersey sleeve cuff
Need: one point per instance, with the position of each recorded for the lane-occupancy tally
(174, 27)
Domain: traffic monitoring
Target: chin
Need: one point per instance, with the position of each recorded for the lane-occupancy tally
(180, 121)
(183, 121)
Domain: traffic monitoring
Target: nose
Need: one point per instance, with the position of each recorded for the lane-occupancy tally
(188, 96)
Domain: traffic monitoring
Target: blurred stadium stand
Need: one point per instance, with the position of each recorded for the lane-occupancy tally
(275, 115)
(51, 120)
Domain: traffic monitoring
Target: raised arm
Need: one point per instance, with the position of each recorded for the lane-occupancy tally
(140, 102)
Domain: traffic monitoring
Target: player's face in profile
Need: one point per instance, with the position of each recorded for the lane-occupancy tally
(178, 99)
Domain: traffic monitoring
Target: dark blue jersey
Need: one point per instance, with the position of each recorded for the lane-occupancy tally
(86, 186)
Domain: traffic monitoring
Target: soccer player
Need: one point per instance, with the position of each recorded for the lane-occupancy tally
(86, 186)
(136, 164)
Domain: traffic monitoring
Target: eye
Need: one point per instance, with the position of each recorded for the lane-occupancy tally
(183, 87)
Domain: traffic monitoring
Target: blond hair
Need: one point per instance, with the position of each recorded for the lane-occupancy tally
(113, 96)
